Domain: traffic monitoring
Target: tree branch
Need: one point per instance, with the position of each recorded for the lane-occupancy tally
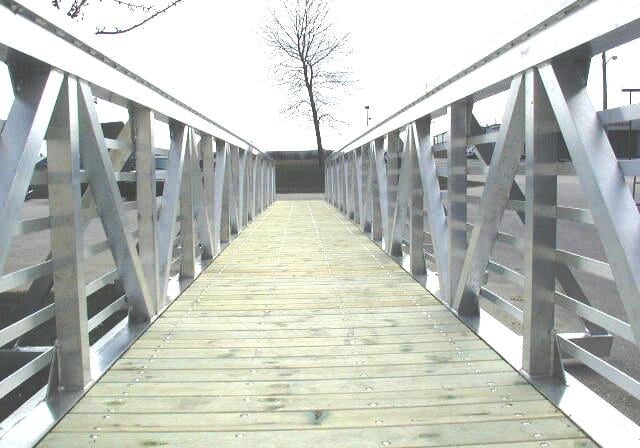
(142, 22)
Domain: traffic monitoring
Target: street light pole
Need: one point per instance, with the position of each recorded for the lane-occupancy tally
(604, 78)
(367, 109)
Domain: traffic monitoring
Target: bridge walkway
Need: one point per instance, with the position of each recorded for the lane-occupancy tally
(304, 333)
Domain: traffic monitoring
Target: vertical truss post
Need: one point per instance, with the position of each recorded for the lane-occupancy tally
(359, 215)
(142, 139)
(252, 186)
(273, 182)
(234, 213)
(242, 188)
(264, 181)
(456, 193)
(416, 208)
(540, 355)
(187, 221)
(331, 167)
(63, 153)
(260, 181)
(208, 172)
(356, 182)
(391, 159)
(342, 183)
(365, 187)
(327, 181)
(346, 174)
(332, 180)
(222, 204)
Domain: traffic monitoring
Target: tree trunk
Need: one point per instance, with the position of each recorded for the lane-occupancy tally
(316, 126)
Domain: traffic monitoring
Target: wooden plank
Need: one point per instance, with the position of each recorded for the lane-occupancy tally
(186, 374)
(412, 436)
(270, 403)
(345, 418)
(304, 333)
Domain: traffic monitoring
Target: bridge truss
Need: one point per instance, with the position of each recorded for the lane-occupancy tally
(440, 212)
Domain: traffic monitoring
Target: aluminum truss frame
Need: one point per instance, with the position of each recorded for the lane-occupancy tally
(408, 196)
(214, 185)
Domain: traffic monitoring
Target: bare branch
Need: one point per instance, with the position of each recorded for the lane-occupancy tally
(142, 22)
(138, 11)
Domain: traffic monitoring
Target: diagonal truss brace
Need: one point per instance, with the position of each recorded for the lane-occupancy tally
(104, 187)
(20, 141)
(502, 171)
(433, 202)
(170, 202)
(612, 206)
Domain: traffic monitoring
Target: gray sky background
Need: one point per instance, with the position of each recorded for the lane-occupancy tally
(211, 55)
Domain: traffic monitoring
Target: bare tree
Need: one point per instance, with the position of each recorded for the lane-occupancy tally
(309, 56)
(142, 12)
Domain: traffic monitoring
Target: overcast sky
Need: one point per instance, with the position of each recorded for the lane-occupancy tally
(211, 55)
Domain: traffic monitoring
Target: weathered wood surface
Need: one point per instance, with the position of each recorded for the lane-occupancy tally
(303, 333)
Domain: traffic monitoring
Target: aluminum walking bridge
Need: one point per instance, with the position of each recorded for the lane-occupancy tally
(178, 304)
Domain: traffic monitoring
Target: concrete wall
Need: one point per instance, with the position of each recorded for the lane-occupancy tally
(298, 171)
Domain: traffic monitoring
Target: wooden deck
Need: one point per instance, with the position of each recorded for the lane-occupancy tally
(303, 333)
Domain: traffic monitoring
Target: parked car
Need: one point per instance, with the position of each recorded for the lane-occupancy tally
(128, 188)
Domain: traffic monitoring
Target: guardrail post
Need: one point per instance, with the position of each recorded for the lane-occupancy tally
(416, 208)
(344, 178)
(234, 212)
(334, 181)
(63, 152)
(264, 182)
(273, 182)
(223, 181)
(391, 155)
(260, 177)
(365, 188)
(540, 356)
(142, 139)
(242, 189)
(187, 224)
(356, 181)
(251, 176)
(456, 193)
(208, 171)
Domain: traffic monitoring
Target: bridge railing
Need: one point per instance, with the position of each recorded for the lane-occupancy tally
(497, 194)
(182, 204)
